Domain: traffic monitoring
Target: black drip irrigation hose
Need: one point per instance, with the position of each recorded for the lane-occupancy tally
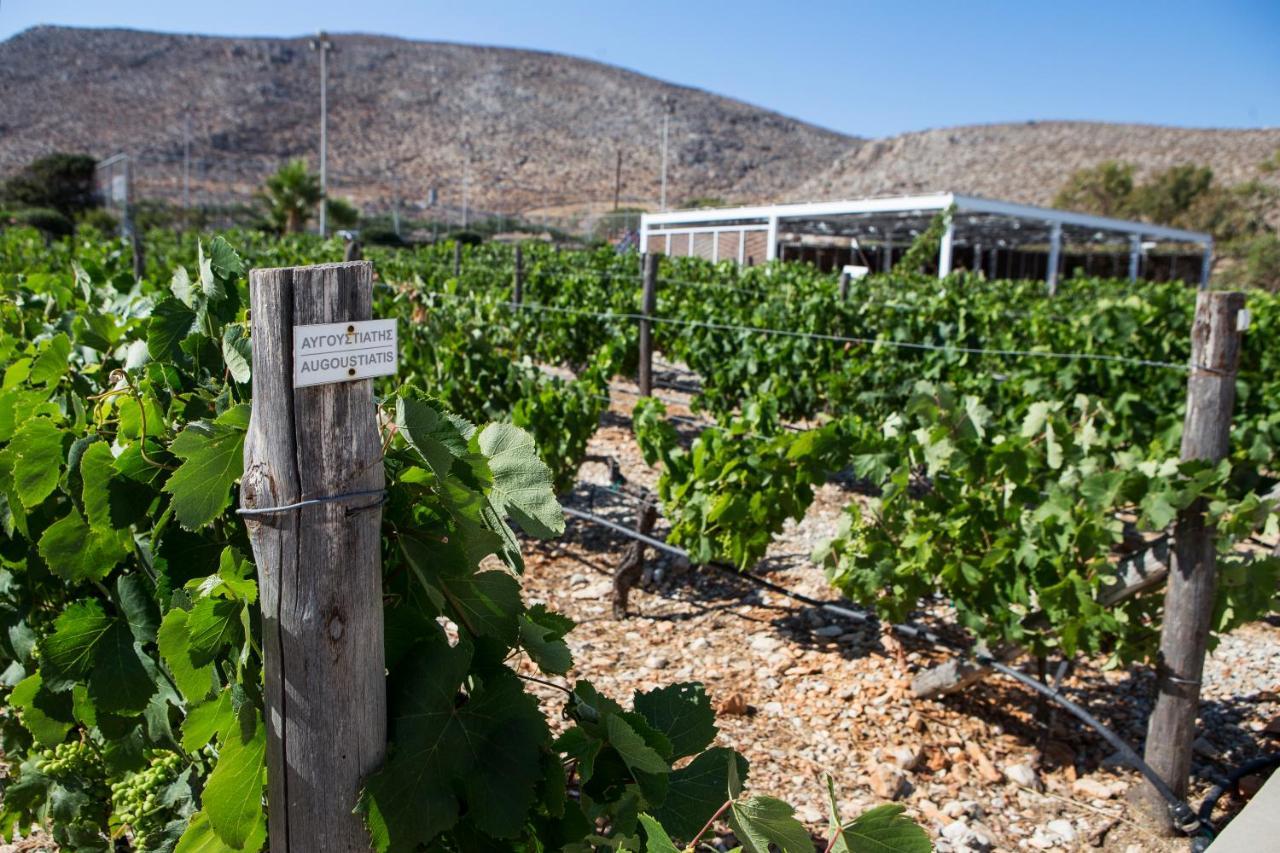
(1255, 765)
(1184, 817)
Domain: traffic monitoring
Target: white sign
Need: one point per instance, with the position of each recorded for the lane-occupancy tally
(343, 352)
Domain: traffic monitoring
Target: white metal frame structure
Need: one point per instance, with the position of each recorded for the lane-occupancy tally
(891, 223)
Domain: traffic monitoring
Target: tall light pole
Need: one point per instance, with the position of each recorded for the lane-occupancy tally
(186, 164)
(324, 45)
(466, 178)
(667, 108)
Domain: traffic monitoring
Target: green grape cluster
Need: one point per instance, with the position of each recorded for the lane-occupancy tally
(136, 799)
(74, 760)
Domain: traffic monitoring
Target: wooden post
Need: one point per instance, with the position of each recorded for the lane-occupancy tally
(631, 569)
(648, 304)
(1189, 595)
(457, 258)
(844, 287)
(517, 282)
(319, 566)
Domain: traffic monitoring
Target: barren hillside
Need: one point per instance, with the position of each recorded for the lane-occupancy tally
(1028, 162)
(541, 128)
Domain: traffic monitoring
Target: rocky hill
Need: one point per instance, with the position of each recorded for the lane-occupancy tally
(1029, 162)
(539, 130)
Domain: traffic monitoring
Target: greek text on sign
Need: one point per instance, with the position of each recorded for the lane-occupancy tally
(342, 352)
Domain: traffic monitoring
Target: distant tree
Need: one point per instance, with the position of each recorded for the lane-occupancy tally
(1272, 163)
(1255, 263)
(1233, 213)
(342, 213)
(1169, 196)
(1105, 189)
(60, 181)
(290, 196)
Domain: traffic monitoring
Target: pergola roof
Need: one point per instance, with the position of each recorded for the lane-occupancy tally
(978, 220)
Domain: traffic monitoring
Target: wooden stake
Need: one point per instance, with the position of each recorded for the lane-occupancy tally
(648, 305)
(457, 258)
(517, 282)
(319, 567)
(844, 287)
(1189, 595)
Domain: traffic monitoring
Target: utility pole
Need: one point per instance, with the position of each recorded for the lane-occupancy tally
(667, 108)
(324, 45)
(466, 178)
(617, 181)
(186, 164)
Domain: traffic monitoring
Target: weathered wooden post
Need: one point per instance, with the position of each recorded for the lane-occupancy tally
(648, 304)
(311, 496)
(457, 258)
(517, 281)
(844, 286)
(1189, 596)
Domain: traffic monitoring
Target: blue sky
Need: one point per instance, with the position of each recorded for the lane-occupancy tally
(870, 69)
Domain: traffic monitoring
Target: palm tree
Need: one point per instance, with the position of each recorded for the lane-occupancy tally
(290, 195)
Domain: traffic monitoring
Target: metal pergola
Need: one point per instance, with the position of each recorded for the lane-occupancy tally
(982, 234)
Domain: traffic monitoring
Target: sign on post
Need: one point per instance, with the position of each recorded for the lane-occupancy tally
(343, 352)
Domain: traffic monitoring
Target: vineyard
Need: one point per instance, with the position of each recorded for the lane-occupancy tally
(762, 492)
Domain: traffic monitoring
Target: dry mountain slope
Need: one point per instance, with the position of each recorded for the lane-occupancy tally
(1029, 162)
(541, 128)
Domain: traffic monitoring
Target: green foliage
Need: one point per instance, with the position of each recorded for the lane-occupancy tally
(922, 255)
(290, 196)
(341, 213)
(1105, 189)
(735, 487)
(52, 222)
(60, 181)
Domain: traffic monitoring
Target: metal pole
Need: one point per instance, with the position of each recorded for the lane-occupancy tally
(1135, 255)
(1206, 265)
(1055, 256)
(662, 201)
(186, 161)
(944, 250)
(322, 44)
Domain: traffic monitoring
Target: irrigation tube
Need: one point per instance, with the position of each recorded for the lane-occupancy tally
(1184, 817)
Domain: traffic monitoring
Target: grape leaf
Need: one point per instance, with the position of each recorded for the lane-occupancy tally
(761, 821)
(170, 323)
(232, 798)
(437, 438)
(683, 713)
(45, 714)
(217, 716)
(193, 681)
(542, 636)
(882, 829)
(521, 481)
(37, 460)
(183, 289)
(445, 751)
(656, 839)
(119, 682)
(697, 790)
(237, 352)
(200, 837)
(67, 655)
(224, 260)
(76, 553)
(212, 624)
(638, 755)
(52, 363)
(213, 459)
